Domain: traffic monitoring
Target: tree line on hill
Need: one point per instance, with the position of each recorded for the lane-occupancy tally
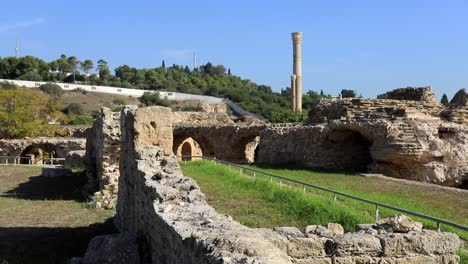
(208, 79)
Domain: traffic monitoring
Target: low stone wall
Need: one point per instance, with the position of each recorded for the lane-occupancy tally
(172, 223)
(202, 118)
(365, 109)
(61, 146)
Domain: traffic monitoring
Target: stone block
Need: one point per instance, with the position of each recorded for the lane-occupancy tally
(425, 243)
(352, 244)
(303, 247)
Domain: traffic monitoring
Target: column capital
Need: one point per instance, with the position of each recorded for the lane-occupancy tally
(296, 37)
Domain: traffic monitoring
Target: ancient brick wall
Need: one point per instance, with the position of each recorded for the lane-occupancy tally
(364, 109)
(169, 215)
(422, 150)
(102, 159)
(410, 94)
(61, 146)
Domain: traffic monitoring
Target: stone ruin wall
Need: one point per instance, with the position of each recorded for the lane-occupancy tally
(63, 147)
(163, 217)
(234, 143)
(421, 150)
(424, 94)
(457, 110)
(102, 159)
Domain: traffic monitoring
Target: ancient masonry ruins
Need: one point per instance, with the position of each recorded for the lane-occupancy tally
(163, 216)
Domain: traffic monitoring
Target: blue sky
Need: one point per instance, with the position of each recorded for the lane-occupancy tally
(369, 46)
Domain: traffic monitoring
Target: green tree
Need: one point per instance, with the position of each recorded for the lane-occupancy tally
(345, 93)
(103, 69)
(86, 66)
(444, 100)
(24, 112)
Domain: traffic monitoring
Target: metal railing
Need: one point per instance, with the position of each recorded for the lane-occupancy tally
(335, 193)
(18, 160)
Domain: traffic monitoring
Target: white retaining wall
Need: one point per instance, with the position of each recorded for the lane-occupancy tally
(174, 96)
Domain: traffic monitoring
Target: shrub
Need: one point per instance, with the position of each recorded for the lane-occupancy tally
(119, 101)
(189, 108)
(73, 108)
(8, 85)
(153, 98)
(53, 89)
(80, 90)
(82, 120)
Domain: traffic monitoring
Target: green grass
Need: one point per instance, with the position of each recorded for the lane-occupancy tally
(427, 199)
(463, 256)
(45, 220)
(257, 203)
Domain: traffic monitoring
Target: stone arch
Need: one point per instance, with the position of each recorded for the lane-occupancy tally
(349, 150)
(187, 146)
(38, 152)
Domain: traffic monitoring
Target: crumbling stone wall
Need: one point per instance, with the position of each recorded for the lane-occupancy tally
(422, 150)
(102, 159)
(213, 108)
(363, 109)
(410, 94)
(457, 110)
(61, 146)
(235, 143)
(202, 118)
(169, 215)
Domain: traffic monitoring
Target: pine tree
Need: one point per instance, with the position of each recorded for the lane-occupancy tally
(163, 64)
(444, 100)
(229, 71)
(321, 93)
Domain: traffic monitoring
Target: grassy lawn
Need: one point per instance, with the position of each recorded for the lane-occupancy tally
(257, 203)
(427, 199)
(45, 220)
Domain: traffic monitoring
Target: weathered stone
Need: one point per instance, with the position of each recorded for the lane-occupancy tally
(337, 229)
(302, 247)
(288, 231)
(425, 243)
(411, 94)
(170, 214)
(402, 223)
(112, 249)
(356, 245)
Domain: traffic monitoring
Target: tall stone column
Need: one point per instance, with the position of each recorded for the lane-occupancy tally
(297, 68)
(293, 93)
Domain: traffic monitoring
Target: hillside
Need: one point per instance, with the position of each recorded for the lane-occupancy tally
(92, 102)
(208, 79)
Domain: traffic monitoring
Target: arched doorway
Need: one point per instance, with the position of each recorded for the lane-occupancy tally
(348, 150)
(188, 149)
(38, 154)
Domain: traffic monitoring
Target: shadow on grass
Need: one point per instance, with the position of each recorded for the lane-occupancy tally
(46, 244)
(50, 188)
